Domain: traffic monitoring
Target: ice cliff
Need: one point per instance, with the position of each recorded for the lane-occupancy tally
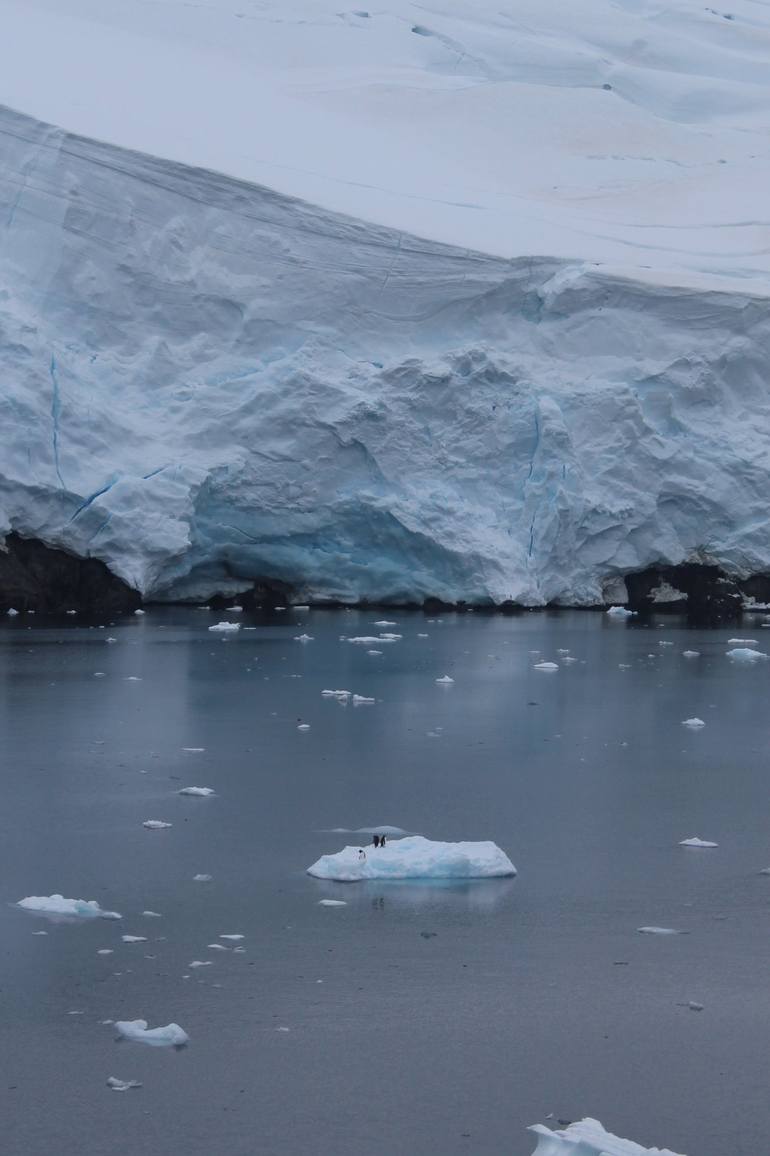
(207, 382)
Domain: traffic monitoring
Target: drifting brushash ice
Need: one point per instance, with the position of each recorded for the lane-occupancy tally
(588, 1138)
(415, 857)
(57, 905)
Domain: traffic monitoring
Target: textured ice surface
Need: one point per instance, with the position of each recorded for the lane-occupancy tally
(170, 1036)
(57, 905)
(415, 857)
(588, 1138)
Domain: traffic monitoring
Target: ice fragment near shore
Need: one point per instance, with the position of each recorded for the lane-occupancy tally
(588, 1138)
(416, 858)
(170, 1036)
(57, 905)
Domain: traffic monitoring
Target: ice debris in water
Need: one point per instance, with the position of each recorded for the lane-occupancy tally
(113, 1081)
(225, 627)
(202, 878)
(134, 938)
(200, 963)
(694, 723)
(303, 727)
(696, 842)
(360, 699)
(332, 903)
(303, 638)
(741, 642)
(73, 908)
(745, 654)
(194, 750)
(374, 652)
(445, 680)
(370, 639)
(170, 1036)
(139, 613)
(198, 792)
(155, 824)
(691, 653)
(336, 693)
(620, 612)
(12, 613)
(105, 951)
(549, 666)
(384, 622)
(415, 858)
(234, 935)
(660, 931)
(588, 1138)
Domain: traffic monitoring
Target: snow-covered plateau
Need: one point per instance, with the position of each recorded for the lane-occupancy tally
(209, 381)
(415, 857)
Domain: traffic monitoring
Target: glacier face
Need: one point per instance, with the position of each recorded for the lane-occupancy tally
(206, 382)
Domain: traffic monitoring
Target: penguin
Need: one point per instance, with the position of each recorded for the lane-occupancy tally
(376, 840)
(361, 855)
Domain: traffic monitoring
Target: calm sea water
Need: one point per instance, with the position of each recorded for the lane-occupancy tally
(421, 1018)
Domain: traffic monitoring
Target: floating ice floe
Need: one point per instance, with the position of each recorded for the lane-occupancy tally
(156, 824)
(415, 857)
(336, 693)
(422, 636)
(694, 723)
(302, 607)
(374, 652)
(193, 750)
(113, 1081)
(620, 612)
(765, 871)
(12, 613)
(691, 654)
(548, 666)
(660, 931)
(152, 914)
(445, 680)
(105, 951)
(132, 678)
(384, 622)
(561, 651)
(225, 627)
(303, 638)
(134, 938)
(662, 642)
(139, 613)
(303, 727)
(99, 674)
(742, 642)
(57, 905)
(332, 903)
(199, 792)
(234, 935)
(201, 878)
(360, 699)
(170, 1036)
(568, 660)
(745, 654)
(588, 1138)
(200, 963)
(696, 842)
(218, 947)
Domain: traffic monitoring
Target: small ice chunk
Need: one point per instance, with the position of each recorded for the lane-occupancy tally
(113, 1081)
(568, 660)
(359, 699)
(152, 914)
(422, 636)
(298, 607)
(390, 637)
(99, 674)
(332, 903)
(588, 1138)
(660, 931)
(234, 609)
(139, 613)
(745, 654)
(233, 935)
(620, 612)
(303, 727)
(372, 640)
(70, 611)
(694, 723)
(57, 905)
(693, 1006)
(170, 1036)
(202, 878)
(105, 951)
(384, 622)
(661, 642)
(194, 750)
(562, 651)
(696, 842)
(217, 947)
(40, 933)
(416, 858)
(546, 666)
(198, 792)
(691, 654)
(12, 613)
(336, 693)
(742, 642)
(132, 678)
(303, 638)
(200, 963)
(374, 652)
(156, 824)
(445, 680)
(225, 627)
(134, 938)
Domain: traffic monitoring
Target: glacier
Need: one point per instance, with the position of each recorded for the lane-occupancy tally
(415, 857)
(520, 366)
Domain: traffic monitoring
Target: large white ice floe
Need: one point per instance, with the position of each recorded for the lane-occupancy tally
(211, 380)
(746, 654)
(415, 857)
(170, 1036)
(57, 905)
(588, 1138)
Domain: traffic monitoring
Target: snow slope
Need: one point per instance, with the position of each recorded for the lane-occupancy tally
(206, 382)
(626, 132)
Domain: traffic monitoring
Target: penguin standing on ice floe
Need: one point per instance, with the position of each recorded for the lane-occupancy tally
(382, 840)
(361, 855)
(376, 840)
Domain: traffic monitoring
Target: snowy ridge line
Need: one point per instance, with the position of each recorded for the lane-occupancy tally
(250, 387)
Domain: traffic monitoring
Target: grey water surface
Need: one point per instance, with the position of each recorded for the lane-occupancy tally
(422, 1018)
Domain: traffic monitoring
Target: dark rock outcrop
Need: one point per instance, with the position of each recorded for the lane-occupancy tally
(34, 576)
